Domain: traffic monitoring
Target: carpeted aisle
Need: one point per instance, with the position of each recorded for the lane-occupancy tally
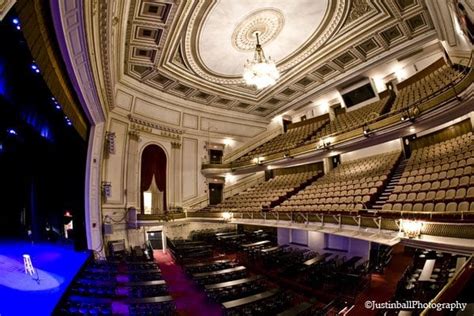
(189, 299)
(383, 286)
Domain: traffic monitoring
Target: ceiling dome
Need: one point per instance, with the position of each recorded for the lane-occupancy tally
(227, 33)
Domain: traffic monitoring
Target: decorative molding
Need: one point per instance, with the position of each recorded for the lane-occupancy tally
(71, 35)
(267, 22)
(161, 127)
(5, 6)
(175, 145)
(141, 128)
(358, 9)
(189, 42)
(134, 134)
(105, 36)
(166, 61)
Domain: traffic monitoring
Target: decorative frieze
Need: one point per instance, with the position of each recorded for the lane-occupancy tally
(134, 134)
(154, 125)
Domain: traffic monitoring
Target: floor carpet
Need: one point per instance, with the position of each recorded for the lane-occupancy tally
(189, 299)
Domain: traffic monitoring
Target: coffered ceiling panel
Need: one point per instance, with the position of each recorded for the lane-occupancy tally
(196, 49)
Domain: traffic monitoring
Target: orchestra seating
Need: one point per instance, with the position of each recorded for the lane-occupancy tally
(437, 178)
(351, 185)
(426, 87)
(351, 119)
(291, 139)
(430, 272)
(275, 302)
(124, 287)
(261, 196)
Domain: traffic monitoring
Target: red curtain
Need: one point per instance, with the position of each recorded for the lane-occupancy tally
(153, 163)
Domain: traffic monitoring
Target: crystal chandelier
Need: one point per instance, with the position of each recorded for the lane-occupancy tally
(260, 72)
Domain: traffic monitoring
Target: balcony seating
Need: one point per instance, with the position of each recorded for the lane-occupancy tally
(262, 195)
(349, 186)
(351, 119)
(426, 87)
(437, 178)
(286, 141)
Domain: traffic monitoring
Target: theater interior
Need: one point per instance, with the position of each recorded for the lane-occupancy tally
(236, 157)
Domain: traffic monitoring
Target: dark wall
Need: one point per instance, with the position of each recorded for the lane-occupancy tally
(42, 157)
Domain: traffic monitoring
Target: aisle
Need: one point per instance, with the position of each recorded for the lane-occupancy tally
(383, 287)
(189, 299)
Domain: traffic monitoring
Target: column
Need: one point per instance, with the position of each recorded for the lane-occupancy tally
(177, 174)
(133, 162)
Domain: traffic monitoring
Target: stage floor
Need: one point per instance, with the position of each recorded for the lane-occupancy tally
(21, 294)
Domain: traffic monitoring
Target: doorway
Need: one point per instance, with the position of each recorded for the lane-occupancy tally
(156, 239)
(215, 193)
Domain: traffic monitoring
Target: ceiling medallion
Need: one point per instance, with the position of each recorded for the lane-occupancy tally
(267, 22)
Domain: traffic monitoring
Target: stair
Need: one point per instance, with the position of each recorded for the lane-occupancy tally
(393, 180)
(296, 190)
(308, 137)
(388, 105)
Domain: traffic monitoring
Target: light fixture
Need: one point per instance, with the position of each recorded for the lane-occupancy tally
(411, 228)
(227, 216)
(367, 130)
(260, 72)
(35, 68)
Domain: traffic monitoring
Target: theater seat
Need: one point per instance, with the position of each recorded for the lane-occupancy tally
(452, 207)
(428, 207)
(440, 207)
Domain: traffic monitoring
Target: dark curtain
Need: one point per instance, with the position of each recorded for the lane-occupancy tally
(153, 163)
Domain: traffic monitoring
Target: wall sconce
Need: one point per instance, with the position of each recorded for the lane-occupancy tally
(410, 114)
(227, 216)
(110, 142)
(106, 189)
(411, 228)
(257, 160)
(367, 130)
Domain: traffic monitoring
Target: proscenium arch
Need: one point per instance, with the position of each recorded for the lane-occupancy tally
(154, 160)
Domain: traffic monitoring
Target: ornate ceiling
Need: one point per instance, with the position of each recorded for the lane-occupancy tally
(196, 49)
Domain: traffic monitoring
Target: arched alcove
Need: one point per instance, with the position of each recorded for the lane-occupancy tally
(153, 180)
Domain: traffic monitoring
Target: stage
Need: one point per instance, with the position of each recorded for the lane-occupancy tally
(55, 264)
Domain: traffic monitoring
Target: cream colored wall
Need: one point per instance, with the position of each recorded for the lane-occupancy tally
(387, 147)
(138, 121)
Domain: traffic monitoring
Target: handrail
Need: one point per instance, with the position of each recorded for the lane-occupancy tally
(363, 212)
(447, 286)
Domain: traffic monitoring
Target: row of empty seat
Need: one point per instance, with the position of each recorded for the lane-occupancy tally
(285, 141)
(351, 119)
(340, 189)
(425, 87)
(261, 196)
(430, 85)
(436, 178)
